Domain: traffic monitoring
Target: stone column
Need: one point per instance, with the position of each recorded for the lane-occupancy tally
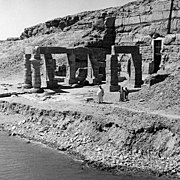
(36, 80)
(50, 67)
(112, 73)
(136, 74)
(89, 71)
(27, 71)
(71, 69)
(132, 70)
(95, 69)
(96, 79)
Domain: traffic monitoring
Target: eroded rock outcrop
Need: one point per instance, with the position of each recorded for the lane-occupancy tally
(134, 141)
(135, 23)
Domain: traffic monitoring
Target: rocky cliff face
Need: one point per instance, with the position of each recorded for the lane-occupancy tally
(99, 26)
(135, 23)
(139, 22)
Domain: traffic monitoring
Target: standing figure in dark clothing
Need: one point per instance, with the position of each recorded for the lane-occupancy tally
(129, 68)
(126, 92)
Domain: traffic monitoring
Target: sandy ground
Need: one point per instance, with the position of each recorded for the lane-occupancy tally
(112, 125)
(82, 99)
(10, 118)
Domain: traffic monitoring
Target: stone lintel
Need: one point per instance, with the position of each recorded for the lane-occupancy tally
(52, 50)
(84, 50)
(70, 51)
(63, 50)
(123, 49)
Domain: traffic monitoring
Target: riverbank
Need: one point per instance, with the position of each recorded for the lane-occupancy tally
(108, 136)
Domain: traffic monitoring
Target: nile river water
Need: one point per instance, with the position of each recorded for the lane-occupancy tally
(22, 161)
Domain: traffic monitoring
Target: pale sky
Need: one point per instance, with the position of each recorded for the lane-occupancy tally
(15, 15)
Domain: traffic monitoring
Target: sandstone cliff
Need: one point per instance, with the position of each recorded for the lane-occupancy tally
(134, 23)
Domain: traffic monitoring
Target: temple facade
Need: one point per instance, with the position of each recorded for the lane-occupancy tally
(90, 64)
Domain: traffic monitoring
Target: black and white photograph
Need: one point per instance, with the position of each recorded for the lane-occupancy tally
(89, 89)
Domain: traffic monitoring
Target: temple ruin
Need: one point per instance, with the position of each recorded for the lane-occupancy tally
(92, 66)
(152, 26)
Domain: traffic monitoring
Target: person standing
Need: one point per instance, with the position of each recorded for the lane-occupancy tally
(126, 92)
(100, 94)
(129, 68)
(121, 93)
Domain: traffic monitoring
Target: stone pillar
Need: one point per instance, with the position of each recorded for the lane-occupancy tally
(96, 79)
(89, 71)
(50, 68)
(112, 73)
(27, 71)
(95, 69)
(71, 69)
(36, 80)
(132, 70)
(136, 74)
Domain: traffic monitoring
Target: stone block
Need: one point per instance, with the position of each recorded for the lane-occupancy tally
(114, 88)
(177, 39)
(118, 21)
(52, 84)
(169, 39)
(176, 14)
(157, 15)
(145, 18)
(165, 14)
(132, 20)
(159, 6)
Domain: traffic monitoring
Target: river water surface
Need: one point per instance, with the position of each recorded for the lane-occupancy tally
(22, 161)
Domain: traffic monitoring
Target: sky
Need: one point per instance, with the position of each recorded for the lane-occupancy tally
(15, 15)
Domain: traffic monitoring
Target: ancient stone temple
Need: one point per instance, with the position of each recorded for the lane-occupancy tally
(33, 60)
(90, 71)
(152, 25)
(135, 71)
(139, 38)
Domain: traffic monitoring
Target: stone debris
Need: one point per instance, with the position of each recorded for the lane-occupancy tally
(161, 96)
(122, 146)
